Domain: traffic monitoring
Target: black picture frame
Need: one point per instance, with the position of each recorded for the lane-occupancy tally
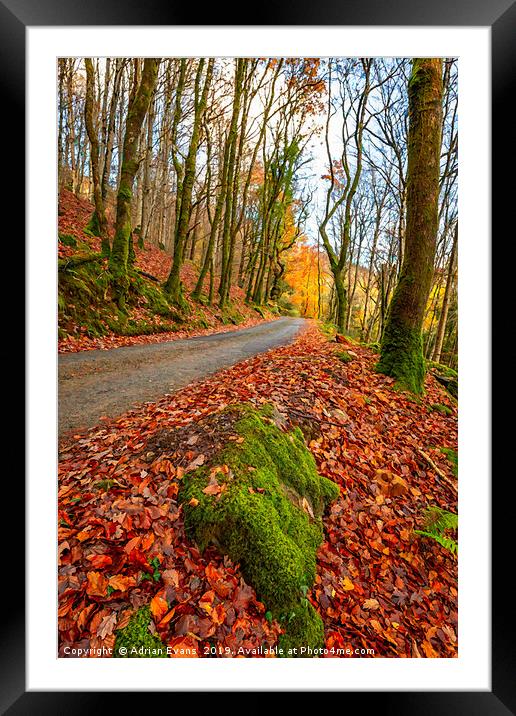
(500, 15)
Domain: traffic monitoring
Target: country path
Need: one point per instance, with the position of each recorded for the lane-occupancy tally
(97, 383)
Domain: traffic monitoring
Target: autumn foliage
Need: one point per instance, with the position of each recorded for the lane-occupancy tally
(379, 586)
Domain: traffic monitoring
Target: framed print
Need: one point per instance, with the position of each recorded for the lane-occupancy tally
(252, 463)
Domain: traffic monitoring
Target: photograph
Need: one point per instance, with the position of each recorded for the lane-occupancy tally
(256, 305)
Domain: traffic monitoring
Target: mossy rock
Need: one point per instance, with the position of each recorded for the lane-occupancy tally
(135, 641)
(447, 377)
(259, 499)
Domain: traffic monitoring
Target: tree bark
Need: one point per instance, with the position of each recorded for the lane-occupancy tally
(401, 353)
(98, 219)
(138, 106)
(436, 356)
(173, 283)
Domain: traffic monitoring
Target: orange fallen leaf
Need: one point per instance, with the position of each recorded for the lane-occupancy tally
(158, 607)
(347, 584)
(100, 560)
(97, 584)
(206, 601)
(121, 583)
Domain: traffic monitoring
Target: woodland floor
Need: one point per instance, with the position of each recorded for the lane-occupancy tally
(379, 586)
(94, 384)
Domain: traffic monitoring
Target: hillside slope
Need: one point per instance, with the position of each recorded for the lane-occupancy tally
(88, 319)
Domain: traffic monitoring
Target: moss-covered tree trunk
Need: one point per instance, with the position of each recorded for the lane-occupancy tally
(138, 106)
(98, 222)
(401, 349)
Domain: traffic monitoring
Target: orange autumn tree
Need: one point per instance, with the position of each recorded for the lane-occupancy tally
(308, 275)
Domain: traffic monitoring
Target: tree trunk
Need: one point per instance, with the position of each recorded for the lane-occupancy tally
(446, 300)
(118, 261)
(401, 351)
(98, 219)
(173, 283)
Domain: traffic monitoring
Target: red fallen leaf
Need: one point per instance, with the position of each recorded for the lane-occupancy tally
(167, 618)
(184, 647)
(132, 544)
(97, 620)
(121, 583)
(218, 614)
(66, 606)
(137, 558)
(100, 560)
(143, 484)
(124, 618)
(216, 581)
(97, 584)
(158, 607)
(206, 601)
(243, 596)
(147, 541)
(164, 466)
(84, 615)
(240, 623)
(170, 577)
(84, 534)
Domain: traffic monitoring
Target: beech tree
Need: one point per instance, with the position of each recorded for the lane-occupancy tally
(98, 222)
(138, 106)
(401, 348)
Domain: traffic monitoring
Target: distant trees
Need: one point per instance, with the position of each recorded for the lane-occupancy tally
(401, 349)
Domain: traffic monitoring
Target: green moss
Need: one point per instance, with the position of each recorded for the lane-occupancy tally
(268, 518)
(304, 630)
(92, 228)
(329, 329)
(439, 408)
(82, 285)
(402, 356)
(68, 240)
(344, 356)
(443, 369)
(135, 641)
(125, 192)
(231, 316)
(453, 457)
(448, 377)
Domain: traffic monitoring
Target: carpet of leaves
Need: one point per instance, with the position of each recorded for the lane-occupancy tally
(379, 586)
(74, 214)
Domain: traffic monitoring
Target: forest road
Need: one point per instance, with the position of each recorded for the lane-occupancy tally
(97, 383)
